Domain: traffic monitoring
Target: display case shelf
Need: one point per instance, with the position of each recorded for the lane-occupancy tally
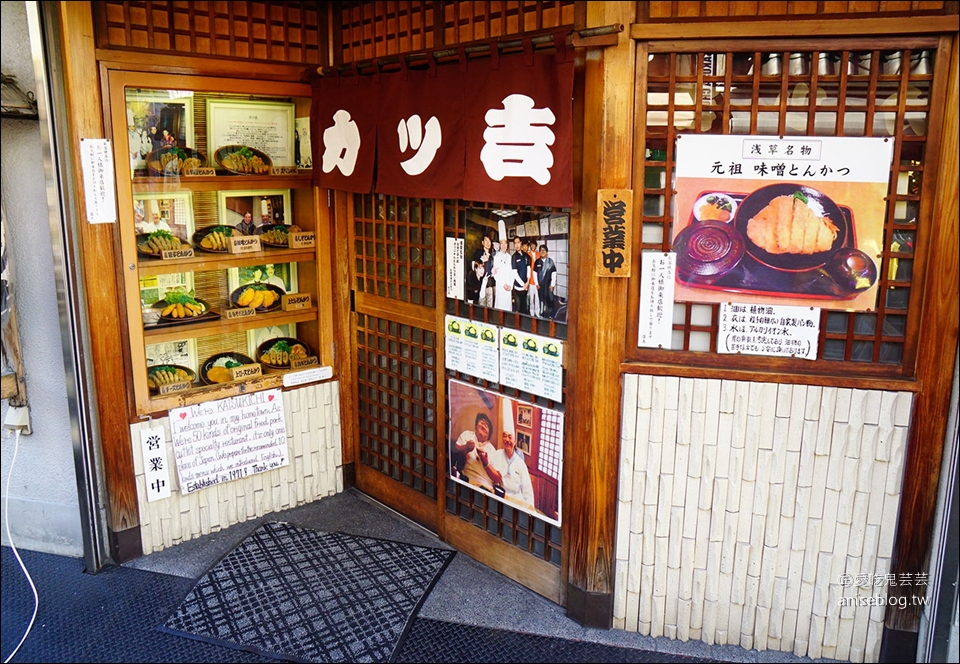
(224, 326)
(203, 261)
(203, 113)
(148, 185)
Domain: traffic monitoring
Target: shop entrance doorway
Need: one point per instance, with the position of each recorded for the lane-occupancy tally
(399, 415)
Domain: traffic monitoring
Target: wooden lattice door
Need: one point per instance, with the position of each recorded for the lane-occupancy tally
(393, 261)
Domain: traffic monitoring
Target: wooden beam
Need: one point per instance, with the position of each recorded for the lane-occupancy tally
(591, 456)
(847, 27)
(100, 282)
(537, 575)
(856, 382)
(935, 361)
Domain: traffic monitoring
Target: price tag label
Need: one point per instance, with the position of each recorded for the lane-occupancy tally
(244, 244)
(174, 387)
(246, 371)
(303, 362)
(174, 254)
(193, 172)
(301, 239)
(239, 312)
(294, 301)
(284, 170)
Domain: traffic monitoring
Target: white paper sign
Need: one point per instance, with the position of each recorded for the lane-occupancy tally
(294, 378)
(99, 186)
(156, 473)
(489, 351)
(453, 347)
(531, 363)
(778, 331)
(455, 267)
(229, 439)
(656, 299)
(808, 158)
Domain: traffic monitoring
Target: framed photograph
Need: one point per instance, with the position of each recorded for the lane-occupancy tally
(182, 352)
(282, 275)
(271, 206)
(154, 288)
(303, 150)
(529, 463)
(525, 416)
(523, 442)
(157, 119)
(261, 334)
(168, 211)
(267, 126)
(492, 269)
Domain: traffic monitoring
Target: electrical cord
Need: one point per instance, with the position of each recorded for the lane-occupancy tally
(6, 518)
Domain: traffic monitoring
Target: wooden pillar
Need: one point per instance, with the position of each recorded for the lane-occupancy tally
(597, 326)
(98, 264)
(935, 361)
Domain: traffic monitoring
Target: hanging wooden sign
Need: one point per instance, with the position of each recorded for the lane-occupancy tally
(615, 222)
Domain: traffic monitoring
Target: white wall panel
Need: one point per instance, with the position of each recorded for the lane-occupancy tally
(742, 507)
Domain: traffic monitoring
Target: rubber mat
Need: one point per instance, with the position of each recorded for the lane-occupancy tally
(437, 641)
(309, 596)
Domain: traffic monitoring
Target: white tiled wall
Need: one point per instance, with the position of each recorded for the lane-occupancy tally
(742, 505)
(315, 470)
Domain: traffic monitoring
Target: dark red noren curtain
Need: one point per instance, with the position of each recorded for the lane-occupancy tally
(346, 135)
(519, 131)
(420, 138)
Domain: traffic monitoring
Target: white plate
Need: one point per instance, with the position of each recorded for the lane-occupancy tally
(718, 197)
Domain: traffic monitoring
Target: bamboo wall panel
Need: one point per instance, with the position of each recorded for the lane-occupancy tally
(742, 506)
(666, 10)
(312, 416)
(289, 32)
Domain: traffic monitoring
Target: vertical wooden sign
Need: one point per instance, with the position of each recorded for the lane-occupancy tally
(615, 216)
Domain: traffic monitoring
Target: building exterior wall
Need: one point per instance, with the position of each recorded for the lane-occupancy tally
(743, 505)
(43, 504)
(312, 416)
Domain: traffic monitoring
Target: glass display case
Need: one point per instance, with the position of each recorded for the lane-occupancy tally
(218, 224)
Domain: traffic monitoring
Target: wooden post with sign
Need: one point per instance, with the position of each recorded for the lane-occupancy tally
(615, 219)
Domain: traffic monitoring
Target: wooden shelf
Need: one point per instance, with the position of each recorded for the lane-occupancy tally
(223, 326)
(147, 185)
(204, 261)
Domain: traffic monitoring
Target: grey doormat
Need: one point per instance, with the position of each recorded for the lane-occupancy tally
(307, 596)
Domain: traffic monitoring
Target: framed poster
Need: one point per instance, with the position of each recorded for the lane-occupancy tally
(265, 125)
(281, 275)
(796, 221)
(261, 334)
(499, 245)
(269, 206)
(154, 288)
(182, 352)
(488, 451)
(157, 119)
(168, 211)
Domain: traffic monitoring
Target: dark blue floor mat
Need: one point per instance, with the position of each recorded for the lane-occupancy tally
(113, 617)
(107, 617)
